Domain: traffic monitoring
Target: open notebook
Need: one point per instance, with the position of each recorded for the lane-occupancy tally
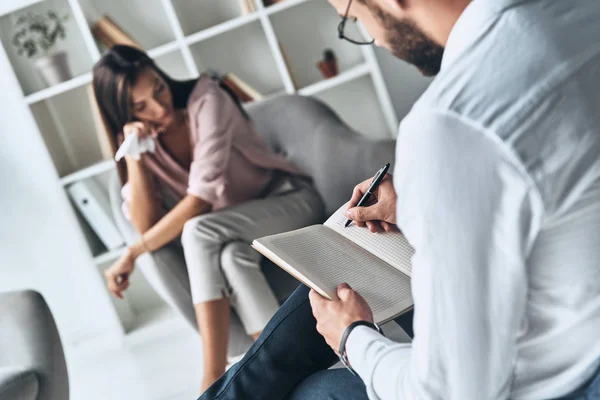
(376, 265)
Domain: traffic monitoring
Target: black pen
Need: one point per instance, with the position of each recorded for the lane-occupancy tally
(374, 183)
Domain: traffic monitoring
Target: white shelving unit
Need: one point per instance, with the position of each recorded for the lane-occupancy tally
(186, 37)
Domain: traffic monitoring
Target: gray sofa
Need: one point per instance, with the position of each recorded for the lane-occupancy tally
(32, 362)
(312, 136)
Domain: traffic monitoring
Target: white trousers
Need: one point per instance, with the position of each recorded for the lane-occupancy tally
(221, 262)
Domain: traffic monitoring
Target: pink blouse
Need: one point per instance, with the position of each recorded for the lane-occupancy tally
(231, 162)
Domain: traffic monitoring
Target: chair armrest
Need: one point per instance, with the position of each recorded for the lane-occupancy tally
(29, 342)
(21, 385)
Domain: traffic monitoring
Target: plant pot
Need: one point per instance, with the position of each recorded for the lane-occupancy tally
(328, 68)
(54, 69)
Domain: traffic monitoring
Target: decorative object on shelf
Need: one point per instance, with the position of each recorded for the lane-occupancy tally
(36, 36)
(268, 3)
(245, 92)
(288, 66)
(109, 33)
(328, 65)
(247, 6)
(91, 199)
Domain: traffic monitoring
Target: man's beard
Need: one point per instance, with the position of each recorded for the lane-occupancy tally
(410, 44)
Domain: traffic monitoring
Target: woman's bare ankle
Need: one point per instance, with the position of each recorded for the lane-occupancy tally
(208, 379)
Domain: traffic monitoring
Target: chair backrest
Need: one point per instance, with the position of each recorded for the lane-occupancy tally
(314, 138)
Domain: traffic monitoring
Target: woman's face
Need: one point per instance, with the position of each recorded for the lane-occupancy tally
(152, 101)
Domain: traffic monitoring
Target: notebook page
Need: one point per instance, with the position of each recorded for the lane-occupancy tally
(327, 259)
(391, 247)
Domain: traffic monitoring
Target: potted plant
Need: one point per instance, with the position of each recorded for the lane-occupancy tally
(36, 37)
(328, 65)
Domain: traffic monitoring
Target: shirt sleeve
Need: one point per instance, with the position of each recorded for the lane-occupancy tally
(214, 131)
(472, 214)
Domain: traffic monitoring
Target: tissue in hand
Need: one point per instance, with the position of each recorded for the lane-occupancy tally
(134, 146)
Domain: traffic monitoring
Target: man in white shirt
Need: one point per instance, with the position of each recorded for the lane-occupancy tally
(497, 182)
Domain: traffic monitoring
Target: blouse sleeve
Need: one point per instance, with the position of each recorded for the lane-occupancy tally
(212, 135)
(126, 196)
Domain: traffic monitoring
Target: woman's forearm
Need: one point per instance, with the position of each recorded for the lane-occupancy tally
(144, 206)
(171, 225)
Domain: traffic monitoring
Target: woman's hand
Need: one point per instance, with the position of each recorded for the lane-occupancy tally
(117, 276)
(380, 213)
(141, 128)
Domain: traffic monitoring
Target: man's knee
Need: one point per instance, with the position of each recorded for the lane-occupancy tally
(335, 384)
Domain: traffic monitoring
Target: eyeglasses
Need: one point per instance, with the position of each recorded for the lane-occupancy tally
(342, 25)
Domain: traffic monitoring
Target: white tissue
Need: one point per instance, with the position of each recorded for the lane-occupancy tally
(134, 146)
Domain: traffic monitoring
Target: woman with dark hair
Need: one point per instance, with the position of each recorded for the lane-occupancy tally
(226, 187)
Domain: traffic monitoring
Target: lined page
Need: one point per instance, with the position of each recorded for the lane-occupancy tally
(328, 259)
(391, 247)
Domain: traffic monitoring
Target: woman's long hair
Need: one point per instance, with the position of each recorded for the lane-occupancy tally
(115, 74)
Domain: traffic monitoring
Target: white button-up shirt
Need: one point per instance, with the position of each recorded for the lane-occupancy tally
(498, 180)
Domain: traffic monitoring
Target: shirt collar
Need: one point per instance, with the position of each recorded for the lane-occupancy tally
(468, 27)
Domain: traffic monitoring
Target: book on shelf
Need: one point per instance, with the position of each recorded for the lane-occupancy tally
(109, 33)
(99, 126)
(247, 6)
(377, 266)
(92, 201)
(245, 92)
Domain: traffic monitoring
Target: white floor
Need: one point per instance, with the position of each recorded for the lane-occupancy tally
(163, 366)
(162, 363)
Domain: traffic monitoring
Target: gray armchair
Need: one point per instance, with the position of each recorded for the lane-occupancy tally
(312, 136)
(32, 362)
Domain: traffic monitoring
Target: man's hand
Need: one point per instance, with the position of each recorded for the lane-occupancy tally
(333, 317)
(380, 214)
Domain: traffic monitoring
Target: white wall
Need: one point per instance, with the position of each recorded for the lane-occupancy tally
(404, 82)
(13, 5)
(40, 246)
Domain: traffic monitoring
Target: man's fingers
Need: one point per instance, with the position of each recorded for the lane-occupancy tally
(363, 213)
(315, 298)
(356, 195)
(344, 291)
(374, 226)
(388, 227)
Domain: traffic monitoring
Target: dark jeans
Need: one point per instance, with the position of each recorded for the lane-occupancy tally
(290, 361)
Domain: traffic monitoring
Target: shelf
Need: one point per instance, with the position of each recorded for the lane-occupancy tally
(284, 5)
(87, 77)
(109, 256)
(59, 89)
(173, 65)
(221, 28)
(347, 76)
(88, 172)
(78, 57)
(143, 20)
(243, 51)
(200, 15)
(305, 46)
(163, 50)
(357, 103)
